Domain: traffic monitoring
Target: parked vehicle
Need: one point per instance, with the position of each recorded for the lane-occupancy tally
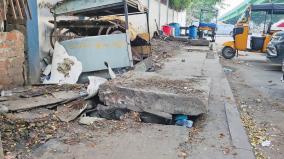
(275, 48)
(242, 29)
(278, 25)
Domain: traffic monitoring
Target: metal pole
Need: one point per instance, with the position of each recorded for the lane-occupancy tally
(159, 13)
(167, 11)
(126, 14)
(55, 28)
(264, 23)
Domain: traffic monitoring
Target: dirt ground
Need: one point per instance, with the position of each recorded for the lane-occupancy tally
(260, 97)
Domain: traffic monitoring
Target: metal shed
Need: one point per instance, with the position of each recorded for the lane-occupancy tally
(92, 51)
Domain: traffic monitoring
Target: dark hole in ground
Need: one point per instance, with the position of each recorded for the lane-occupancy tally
(112, 113)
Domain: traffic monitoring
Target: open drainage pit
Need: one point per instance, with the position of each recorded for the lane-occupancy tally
(144, 117)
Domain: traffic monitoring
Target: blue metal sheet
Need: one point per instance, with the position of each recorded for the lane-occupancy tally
(93, 51)
(33, 43)
(82, 5)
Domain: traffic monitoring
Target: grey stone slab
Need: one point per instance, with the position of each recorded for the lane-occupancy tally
(151, 92)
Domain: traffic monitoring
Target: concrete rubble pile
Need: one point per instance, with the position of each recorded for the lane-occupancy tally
(143, 95)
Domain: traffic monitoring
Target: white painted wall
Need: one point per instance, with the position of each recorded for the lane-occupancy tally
(139, 21)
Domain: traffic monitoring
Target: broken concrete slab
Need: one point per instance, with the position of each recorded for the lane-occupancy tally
(71, 111)
(150, 92)
(41, 101)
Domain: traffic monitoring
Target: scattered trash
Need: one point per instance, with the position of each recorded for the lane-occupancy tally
(227, 70)
(6, 93)
(182, 120)
(3, 109)
(71, 111)
(110, 71)
(258, 100)
(94, 85)
(65, 69)
(89, 120)
(266, 143)
(47, 70)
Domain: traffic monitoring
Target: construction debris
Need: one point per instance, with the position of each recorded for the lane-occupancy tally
(55, 98)
(89, 120)
(71, 111)
(65, 69)
(94, 84)
(150, 92)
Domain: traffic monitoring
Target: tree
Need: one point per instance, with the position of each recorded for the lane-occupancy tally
(193, 10)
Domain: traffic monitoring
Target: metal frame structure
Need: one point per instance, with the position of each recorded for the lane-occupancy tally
(90, 8)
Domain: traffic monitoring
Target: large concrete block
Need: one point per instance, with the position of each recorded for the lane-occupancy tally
(151, 92)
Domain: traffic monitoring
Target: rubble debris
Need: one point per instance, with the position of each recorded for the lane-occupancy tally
(17, 133)
(3, 109)
(6, 93)
(266, 143)
(94, 84)
(30, 116)
(65, 69)
(89, 120)
(55, 98)
(71, 111)
(2, 99)
(110, 71)
(227, 70)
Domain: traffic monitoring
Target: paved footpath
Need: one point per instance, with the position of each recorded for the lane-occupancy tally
(221, 134)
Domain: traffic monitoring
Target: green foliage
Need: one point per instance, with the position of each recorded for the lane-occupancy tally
(194, 9)
(180, 5)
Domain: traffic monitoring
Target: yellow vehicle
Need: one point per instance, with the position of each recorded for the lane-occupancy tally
(241, 31)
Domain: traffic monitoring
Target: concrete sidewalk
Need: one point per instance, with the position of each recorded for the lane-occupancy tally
(221, 135)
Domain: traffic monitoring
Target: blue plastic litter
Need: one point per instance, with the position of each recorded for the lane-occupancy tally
(182, 120)
(186, 123)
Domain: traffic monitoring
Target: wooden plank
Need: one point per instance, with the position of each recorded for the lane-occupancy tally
(71, 111)
(41, 101)
(13, 9)
(19, 9)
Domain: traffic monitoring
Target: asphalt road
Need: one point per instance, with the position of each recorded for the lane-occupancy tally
(260, 95)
